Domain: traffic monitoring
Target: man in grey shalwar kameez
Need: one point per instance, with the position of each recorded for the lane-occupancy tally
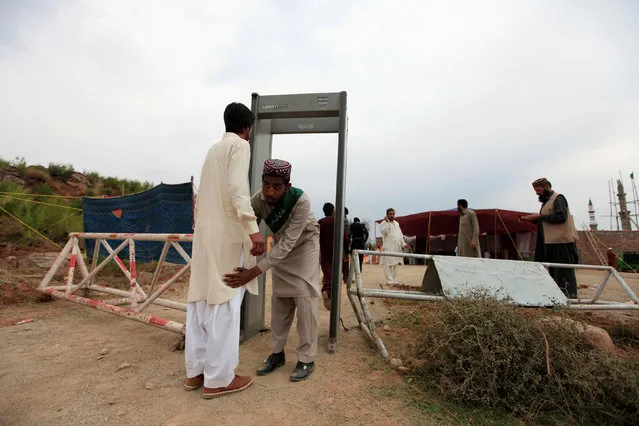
(294, 264)
(468, 235)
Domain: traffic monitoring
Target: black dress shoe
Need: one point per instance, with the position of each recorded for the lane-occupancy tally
(302, 371)
(272, 363)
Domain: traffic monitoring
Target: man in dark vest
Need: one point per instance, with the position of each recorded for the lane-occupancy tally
(556, 236)
(359, 236)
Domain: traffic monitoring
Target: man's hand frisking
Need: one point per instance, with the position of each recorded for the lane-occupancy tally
(241, 276)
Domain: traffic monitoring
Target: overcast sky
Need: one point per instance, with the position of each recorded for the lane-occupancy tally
(446, 100)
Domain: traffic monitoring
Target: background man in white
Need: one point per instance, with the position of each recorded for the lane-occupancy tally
(393, 241)
(225, 232)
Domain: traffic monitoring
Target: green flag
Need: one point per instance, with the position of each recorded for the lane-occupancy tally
(632, 175)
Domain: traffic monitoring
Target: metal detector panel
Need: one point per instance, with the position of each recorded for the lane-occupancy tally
(525, 283)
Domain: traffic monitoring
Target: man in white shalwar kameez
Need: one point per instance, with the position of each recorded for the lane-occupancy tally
(393, 241)
(226, 236)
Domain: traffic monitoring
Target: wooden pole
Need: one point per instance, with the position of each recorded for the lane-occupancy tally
(495, 214)
(430, 215)
(193, 200)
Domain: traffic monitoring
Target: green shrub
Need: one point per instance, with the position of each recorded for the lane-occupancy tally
(54, 222)
(93, 177)
(44, 189)
(4, 164)
(61, 171)
(21, 164)
(481, 351)
(6, 186)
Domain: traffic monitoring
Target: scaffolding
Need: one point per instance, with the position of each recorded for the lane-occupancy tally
(624, 212)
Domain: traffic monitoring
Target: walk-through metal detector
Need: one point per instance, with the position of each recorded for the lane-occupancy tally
(298, 114)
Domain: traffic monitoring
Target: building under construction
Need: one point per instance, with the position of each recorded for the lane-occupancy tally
(623, 212)
(622, 240)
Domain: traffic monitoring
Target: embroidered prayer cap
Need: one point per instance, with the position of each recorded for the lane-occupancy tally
(277, 168)
(541, 182)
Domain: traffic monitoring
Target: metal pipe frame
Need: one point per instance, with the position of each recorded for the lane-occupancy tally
(175, 327)
(122, 267)
(136, 299)
(125, 294)
(367, 324)
(187, 238)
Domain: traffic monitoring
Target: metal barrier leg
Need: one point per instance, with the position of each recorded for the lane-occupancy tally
(353, 272)
(370, 324)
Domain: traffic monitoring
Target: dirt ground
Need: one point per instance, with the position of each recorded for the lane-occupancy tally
(64, 367)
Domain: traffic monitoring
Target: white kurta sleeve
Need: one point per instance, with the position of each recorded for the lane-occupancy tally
(384, 228)
(238, 188)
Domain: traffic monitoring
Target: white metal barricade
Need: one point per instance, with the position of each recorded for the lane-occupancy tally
(130, 304)
(367, 324)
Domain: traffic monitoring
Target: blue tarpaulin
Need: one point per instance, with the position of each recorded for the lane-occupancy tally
(164, 209)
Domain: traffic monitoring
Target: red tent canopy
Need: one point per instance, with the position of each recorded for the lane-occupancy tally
(446, 222)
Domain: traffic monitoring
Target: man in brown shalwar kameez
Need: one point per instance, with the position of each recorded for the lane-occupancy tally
(468, 235)
(327, 229)
(294, 265)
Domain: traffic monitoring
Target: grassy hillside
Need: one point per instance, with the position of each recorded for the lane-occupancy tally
(48, 199)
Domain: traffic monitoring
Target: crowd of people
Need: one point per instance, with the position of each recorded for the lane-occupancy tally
(227, 244)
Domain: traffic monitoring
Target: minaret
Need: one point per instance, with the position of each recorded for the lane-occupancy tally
(624, 215)
(593, 220)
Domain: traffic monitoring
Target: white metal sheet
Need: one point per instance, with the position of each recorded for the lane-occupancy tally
(525, 283)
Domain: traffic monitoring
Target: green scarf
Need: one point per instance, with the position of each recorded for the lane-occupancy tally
(283, 209)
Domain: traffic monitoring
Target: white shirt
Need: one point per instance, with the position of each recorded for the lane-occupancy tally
(224, 219)
(393, 241)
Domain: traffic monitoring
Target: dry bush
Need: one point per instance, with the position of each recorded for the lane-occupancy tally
(37, 174)
(481, 351)
(11, 229)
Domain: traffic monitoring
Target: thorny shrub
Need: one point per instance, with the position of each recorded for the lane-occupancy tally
(482, 351)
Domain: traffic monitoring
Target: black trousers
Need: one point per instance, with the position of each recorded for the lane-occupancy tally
(565, 278)
(359, 246)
